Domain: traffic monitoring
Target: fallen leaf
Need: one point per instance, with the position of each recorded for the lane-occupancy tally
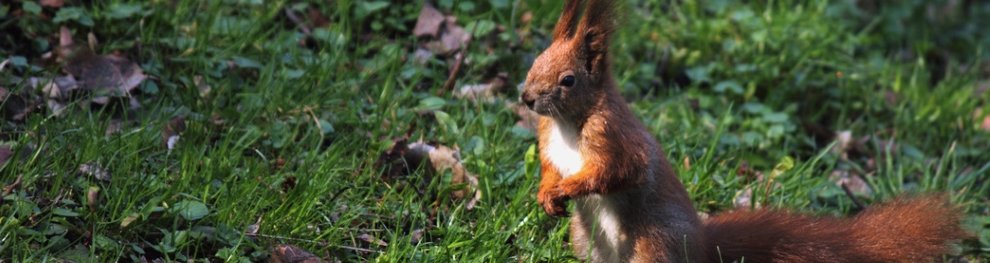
(92, 197)
(403, 158)
(744, 199)
(454, 37)
(843, 142)
(283, 253)
(204, 89)
(17, 107)
(95, 171)
(113, 127)
(429, 22)
(110, 75)
(172, 130)
(252, 230)
(443, 158)
(372, 240)
(52, 3)
(417, 235)
(421, 56)
(483, 92)
(129, 219)
(60, 87)
(853, 182)
(107, 74)
(395, 163)
(10, 187)
(5, 153)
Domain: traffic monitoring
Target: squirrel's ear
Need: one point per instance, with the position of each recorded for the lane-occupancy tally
(594, 31)
(565, 24)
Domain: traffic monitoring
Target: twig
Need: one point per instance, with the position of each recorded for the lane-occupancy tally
(452, 79)
(9, 188)
(849, 193)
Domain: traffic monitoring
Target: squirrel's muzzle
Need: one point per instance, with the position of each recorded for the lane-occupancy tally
(529, 98)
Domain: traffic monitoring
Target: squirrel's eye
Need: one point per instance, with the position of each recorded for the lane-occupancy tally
(567, 81)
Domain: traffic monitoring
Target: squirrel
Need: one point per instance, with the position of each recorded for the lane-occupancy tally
(631, 207)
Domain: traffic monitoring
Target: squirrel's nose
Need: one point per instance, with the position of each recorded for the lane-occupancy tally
(529, 98)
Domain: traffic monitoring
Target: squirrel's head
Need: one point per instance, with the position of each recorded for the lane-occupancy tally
(569, 76)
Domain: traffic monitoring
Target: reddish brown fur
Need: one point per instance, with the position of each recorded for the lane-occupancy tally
(624, 167)
(903, 230)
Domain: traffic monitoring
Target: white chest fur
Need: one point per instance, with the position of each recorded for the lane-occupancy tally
(563, 150)
(601, 221)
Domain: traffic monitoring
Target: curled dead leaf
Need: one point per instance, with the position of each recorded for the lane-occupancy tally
(17, 106)
(483, 92)
(372, 240)
(744, 198)
(92, 197)
(403, 158)
(5, 153)
(453, 38)
(283, 253)
(443, 158)
(429, 22)
(172, 130)
(52, 3)
(417, 235)
(110, 75)
(854, 183)
(204, 89)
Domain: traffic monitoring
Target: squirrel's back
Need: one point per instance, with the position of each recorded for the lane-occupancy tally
(902, 230)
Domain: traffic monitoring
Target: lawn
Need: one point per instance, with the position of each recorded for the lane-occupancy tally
(248, 130)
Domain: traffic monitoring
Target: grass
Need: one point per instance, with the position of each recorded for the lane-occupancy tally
(287, 137)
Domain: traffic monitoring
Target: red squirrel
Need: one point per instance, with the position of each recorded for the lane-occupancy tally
(630, 205)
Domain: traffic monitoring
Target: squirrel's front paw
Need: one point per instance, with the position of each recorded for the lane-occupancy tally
(553, 201)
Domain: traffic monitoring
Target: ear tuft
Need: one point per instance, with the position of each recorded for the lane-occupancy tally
(565, 24)
(596, 28)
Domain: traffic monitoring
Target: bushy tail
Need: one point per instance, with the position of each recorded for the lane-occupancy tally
(902, 230)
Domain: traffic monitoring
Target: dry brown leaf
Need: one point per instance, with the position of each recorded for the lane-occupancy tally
(283, 253)
(204, 89)
(744, 199)
(454, 37)
(429, 21)
(843, 142)
(395, 162)
(372, 240)
(483, 92)
(52, 3)
(15, 106)
(92, 197)
(114, 127)
(442, 158)
(105, 75)
(172, 130)
(421, 56)
(853, 182)
(61, 87)
(95, 171)
(5, 153)
(252, 230)
(417, 235)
